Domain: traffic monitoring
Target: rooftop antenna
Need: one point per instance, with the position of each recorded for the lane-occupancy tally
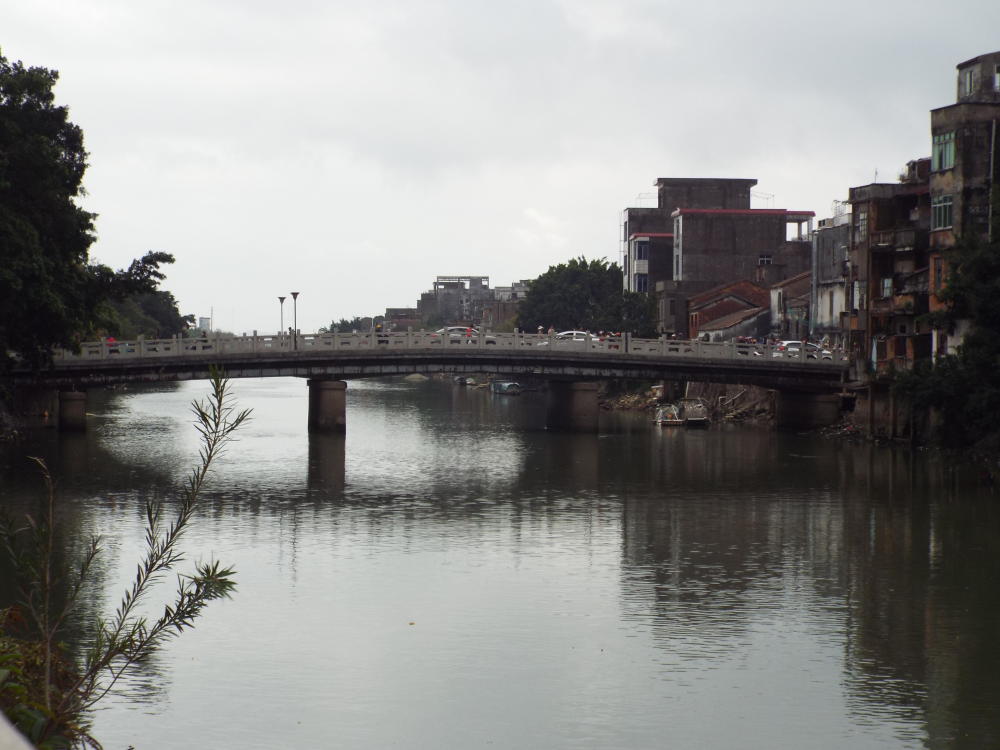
(768, 198)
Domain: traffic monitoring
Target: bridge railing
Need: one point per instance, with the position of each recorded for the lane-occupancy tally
(214, 345)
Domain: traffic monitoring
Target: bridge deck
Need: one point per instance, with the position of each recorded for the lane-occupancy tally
(349, 355)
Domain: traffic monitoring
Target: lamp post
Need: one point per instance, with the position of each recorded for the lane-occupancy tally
(295, 319)
(281, 306)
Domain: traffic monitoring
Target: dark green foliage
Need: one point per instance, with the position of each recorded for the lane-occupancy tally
(50, 294)
(150, 314)
(586, 295)
(964, 387)
(357, 323)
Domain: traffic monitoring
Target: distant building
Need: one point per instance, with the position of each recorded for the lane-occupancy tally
(964, 172)
(789, 304)
(401, 318)
(737, 298)
(455, 300)
(888, 258)
(750, 243)
(503, 308)
(647, 233)
(831, 265)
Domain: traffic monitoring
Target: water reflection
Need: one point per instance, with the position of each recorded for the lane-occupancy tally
(718, 588)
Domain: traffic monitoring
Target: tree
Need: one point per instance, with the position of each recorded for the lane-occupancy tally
(582, 294)
(149, 314)
(964, 387)
(50, 293)
(49, 699)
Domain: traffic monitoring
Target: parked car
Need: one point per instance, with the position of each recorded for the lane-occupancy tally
(793, 348)
(569, 338)
(462, 334)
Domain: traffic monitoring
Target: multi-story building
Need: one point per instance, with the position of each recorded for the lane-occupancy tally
(744, 243)
(455, 300)
(647, 233)
(887, 278)
(965, 172)
(703, 234)
(831, 246)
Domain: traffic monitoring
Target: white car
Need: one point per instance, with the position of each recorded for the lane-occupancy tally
(793, 348)
(571, 339)
(462, 334)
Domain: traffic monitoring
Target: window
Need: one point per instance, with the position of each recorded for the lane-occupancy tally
(673, 306)
(941, 217)
(641, 282)
(861, 230)
(642, 251)
(886, 287)
(764, 260)
(943, 153)
(996, 78)
(966, 82)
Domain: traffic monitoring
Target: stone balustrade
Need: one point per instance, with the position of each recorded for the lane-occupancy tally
(313, 343)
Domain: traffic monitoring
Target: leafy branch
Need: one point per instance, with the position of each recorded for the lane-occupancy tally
(127, 637)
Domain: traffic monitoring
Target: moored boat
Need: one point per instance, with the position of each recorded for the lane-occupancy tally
(506, 388)
(668, 416)
(694, 412)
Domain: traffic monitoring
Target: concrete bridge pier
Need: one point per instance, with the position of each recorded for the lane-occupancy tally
(572, 406)
(327, 405)
(72, 411)
(806, 410)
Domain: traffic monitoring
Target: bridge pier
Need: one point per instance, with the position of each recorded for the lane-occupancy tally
(327, 405)
(572, 406)
(72, 411)
(806, 410)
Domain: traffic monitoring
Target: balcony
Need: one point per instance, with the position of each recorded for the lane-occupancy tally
(905, 240)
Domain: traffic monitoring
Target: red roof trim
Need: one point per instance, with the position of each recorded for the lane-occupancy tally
(743, 211)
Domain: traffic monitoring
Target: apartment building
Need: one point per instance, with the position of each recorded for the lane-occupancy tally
(964, 173)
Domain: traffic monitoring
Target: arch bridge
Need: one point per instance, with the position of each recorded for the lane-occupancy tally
(571, 366)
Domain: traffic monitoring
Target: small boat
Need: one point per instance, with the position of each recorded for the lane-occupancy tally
(668, 416)
(694, 412)
(506, 388)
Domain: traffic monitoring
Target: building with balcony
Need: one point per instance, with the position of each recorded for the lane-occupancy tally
(888, 264)
(964, 173)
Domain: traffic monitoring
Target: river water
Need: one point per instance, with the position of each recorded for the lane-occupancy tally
(451, 575)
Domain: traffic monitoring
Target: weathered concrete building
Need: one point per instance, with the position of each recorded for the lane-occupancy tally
(888, 259)
(831, 264)
(790, 307)
(747, 243)
(965, 171)
(455, 300)
(647, 233)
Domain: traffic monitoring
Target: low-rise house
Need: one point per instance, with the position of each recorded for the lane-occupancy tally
(789, 305)
(722, 301)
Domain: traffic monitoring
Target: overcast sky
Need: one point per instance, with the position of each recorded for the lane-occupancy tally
(353, 151)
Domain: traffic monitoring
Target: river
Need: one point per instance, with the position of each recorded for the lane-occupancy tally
(451, 575)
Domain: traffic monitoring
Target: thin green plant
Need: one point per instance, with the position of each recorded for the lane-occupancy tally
(127, 637)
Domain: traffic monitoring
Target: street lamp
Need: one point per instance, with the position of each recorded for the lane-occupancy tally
(281, 306)
(295, 318)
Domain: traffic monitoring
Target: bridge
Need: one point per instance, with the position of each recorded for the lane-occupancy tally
(327, 360)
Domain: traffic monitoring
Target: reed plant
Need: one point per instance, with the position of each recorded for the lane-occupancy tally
(47, 694)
